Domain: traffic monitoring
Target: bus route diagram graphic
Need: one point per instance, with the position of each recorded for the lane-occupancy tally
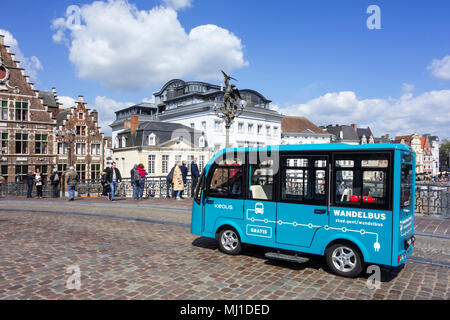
(256, 215)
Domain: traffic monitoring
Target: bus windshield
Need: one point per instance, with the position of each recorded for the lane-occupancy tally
(406, 185)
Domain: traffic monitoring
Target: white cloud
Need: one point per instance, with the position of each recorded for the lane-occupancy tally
(67, 102)
(440, 68)
(406, 87)
(178, 4)
(428, 112)
(129, 49)
(31, 65)
(106, 108)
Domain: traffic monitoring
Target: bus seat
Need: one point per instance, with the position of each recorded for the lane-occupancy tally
(346, 195)
(261, 192)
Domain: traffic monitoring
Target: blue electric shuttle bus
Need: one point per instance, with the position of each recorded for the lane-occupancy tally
(353, 204)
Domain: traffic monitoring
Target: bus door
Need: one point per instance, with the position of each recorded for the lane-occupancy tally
(260, 206)
(303, 204)
(225, 193)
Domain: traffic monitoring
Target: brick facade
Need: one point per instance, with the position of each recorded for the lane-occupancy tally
(26, 126)
(79, 141)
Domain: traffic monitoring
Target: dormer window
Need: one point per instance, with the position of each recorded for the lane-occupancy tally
(124, 142)
(116, 143)
(152, 140)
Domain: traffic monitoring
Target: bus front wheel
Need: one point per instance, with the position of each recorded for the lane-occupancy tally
(229, 241)
(344, 259)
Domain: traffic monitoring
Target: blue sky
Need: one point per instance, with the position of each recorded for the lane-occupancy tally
(311, 58)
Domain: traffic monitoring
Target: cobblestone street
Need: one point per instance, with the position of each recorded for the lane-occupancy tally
(130, 259)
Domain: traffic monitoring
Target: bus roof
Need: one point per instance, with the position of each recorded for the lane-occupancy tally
(323, 147)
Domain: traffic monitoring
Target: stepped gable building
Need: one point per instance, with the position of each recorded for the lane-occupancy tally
(299, 130)
(158, 146)
(50, 100)
(26, 125)
(79, 141)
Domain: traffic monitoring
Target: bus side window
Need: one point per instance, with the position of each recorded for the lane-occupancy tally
(226, 181)
(304, 180)
(362, 180)
(261, 183)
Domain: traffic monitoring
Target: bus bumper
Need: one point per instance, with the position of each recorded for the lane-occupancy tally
(403, 255)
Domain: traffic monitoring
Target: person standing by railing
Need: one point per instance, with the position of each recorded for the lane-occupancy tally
(142, 174)
(178, 185)
(30, 183)
(114, 178)
(135, 177)
(72, 181)
(184, 172)
(169, 183)
(55, 182)
(38, 181)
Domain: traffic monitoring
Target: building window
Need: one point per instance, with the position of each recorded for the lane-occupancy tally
(21, 143)
(41, 142)
(62, 148)
(267, 130)
(260, 129)
(165, 164)
(62, 167)
(192, 125)
(275, 131)
(116, 143)
(81, 170)
(22, 111)
(4, 142)
(81, 116)
(217, 125)
(95, 171)
(250, 128)
(151, 163)
(81, 130)
(240, 127)
(4, 172)
(152, 140)
(80, 148)
(204, 125)
(4, 110)
(201, 142)
(21, 173)
(95, 149)
(201, 162)
(124, 142)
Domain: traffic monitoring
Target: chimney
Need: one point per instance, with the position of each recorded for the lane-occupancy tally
(354, 126)
(54, 91)
(134, 122)
(126, 124)
(2, 39)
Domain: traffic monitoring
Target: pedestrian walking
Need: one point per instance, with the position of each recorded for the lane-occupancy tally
(55, 182)
(135, 178)
(184, 173)
(114, 179)
(38, 180)
(72, 181)
(30, 183)
(169, 183)
(195, 173)
(178, 185)
(142, 174)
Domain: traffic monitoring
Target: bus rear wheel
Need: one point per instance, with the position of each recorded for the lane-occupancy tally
(344, 259)
(229, 241)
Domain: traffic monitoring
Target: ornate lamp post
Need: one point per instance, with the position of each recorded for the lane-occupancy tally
(232, 107)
